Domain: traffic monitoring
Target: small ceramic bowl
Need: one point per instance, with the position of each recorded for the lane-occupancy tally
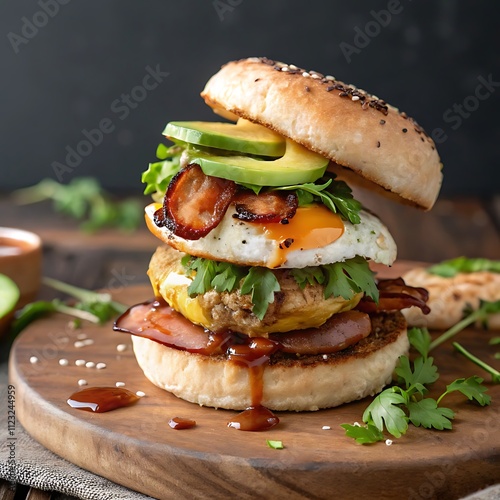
(21, 260)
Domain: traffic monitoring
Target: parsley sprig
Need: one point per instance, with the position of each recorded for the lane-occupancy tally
(344, 279)
(96, 307)
(335, 195)
(472, 316)
(397, 406)
(84, 199)
(450, 268)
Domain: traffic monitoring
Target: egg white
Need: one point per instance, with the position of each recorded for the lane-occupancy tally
(246, 244)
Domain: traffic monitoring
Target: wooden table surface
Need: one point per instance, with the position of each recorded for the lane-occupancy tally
(112, 260)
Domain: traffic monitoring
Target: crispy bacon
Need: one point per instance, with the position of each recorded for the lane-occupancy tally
(271, 206)
(395, 295)
(195, 203)
(340, 331)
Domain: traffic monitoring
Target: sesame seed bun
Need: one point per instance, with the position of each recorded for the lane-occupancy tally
(293, 383)
(347, 125)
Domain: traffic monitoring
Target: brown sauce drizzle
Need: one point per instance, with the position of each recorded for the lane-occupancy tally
(179, 423)
(102, 399)
(157, 321)
(254, 418)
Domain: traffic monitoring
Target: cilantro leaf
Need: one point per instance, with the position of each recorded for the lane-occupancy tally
(350, 277)
(471, 388)
(206, 271)
(494, 341)
(426, 413)
(228, 277)
(420, 339)
(424, 372)
(385, 410)
(450, 268)
(363, 434)
(308, 275)
(261, 283)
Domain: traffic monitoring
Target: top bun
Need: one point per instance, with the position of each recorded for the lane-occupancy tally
(339, 121)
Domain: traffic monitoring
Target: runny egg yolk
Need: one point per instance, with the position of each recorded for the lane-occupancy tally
(311, 227)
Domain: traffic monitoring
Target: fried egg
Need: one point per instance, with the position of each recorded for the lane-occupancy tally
(314, 236)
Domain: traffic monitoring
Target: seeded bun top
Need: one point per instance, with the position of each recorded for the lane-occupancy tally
(346, 124)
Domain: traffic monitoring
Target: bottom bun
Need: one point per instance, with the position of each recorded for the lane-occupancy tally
(304, 383)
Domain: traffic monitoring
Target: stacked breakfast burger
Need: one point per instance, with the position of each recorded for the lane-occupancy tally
(264, 296)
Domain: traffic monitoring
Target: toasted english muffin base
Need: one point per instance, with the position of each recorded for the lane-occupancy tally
(305, 383)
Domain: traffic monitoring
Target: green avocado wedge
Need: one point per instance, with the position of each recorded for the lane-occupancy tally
(297, 166)
(9, 295)
(243, 137)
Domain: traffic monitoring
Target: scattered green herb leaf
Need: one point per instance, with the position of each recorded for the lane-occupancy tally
(363, 434)
(395, 407)
(85, 200)
(420, 339)
(479, 315)
(90, 306)
(452, 267)
(275, 445)
(495, 374)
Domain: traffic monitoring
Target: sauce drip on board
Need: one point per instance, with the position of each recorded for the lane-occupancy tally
(254, 418)
(179, 423)
(102, 399)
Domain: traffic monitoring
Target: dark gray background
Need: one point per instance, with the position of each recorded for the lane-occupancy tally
(65, 77)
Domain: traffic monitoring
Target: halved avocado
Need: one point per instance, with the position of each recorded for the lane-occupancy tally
(244, 136)
(297, 166)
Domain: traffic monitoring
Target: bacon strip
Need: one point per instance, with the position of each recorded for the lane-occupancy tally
(395, 295)
(195, 203)
(271, 206)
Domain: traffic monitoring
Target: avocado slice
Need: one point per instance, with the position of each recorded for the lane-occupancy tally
(9, 295)
(244, 136)
(297, 166)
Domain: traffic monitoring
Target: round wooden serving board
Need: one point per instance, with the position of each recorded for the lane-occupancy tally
(135, 447)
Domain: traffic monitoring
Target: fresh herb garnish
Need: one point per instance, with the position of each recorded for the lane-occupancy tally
(344, 279)
(84, 199)
(495, 374)
(275, 445)
(450, 268)
(363, 434)
(471, 316)
(395, 407)
(335, 195)
(261, 284)
(96, 307)
(159, 174)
